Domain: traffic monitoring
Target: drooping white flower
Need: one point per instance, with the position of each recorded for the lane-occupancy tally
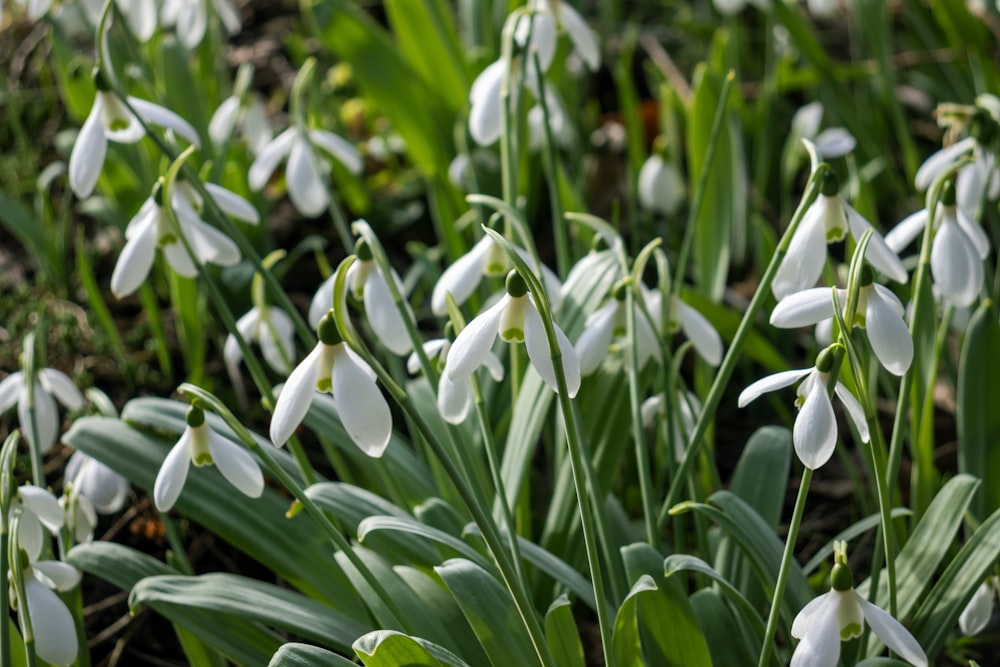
(879, 313)
(368, 285)
(829, 219)
(189, 18)
(304, 173)
(109, 119)
(814, 433)
(661, 186)
(151, 229)
(454, 398)
(40, 512)
(840, 615)
(516, 320)
(272, 329)
(580, 35)
(974, 181)
(605, 325)
(50, 385)
(486, 258)
(832, 142)
(733, 7)
(246, 117)
(202, 446)
(958, 249)
(687, 409)
(91, 488)
(334, 368)
(976, 615)
(52, 624)
(706, 340)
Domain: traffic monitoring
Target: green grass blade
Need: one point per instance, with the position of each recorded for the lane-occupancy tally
(305, 655)
(563, 636)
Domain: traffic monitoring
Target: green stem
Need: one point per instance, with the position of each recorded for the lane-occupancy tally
(5, 658)
(550, 163)
(642, 462)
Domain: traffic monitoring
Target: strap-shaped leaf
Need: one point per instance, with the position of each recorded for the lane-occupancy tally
(562, 634)
(388, 648)
(306, 655)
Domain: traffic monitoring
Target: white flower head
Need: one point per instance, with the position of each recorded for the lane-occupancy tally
(608, 323)
(334, 368)
(368, 285)
(682, 317)
(40, 512)
(305, 173)
(958, 249)
(661, 186)
(50, 386)
(51, 621)
(814, 433)
(109, 119)
(454, 398)
(189, 18)
(246, 117)
(829, 219)
(202, 446)
(839, 615)
(91, 488)
(733, 7)
(832, 142)
(516, 320)
(272, 329)
(151, 229)
(879, 313)
(976, 615)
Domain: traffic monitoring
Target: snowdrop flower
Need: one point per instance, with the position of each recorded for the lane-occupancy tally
(247, 117)
(976, 615)
(50, 385)
(334, 368)
(516, 320)
(958, 249)
(879, 313)
(151, 229)
(485, 258)
(683, 317)
(304, 173)
(202, 446)
(661, 186)
(368, 285)
(608, 323)
(687, 407)
(453, 398)
(733, 7)
(39, 509)
(562, 131)
(832, 142)
(272, 329)
(91, 488)
(840, 615)
(189, 18)
(51, 621)
(829, 219)
(109, 119)
(815, 431)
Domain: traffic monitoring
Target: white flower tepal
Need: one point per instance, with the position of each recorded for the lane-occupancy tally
(51, 621)
(50, 385)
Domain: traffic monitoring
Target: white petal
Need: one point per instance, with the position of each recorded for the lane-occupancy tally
(154, 113)
(592, 346)
(384, 316)
(59, 385)
(233, 204)
(494, 366)
(888, 335)
(179, 260)
(908, 228)
(701, 333)
(550, 281)
(580, 34)
(173, 473)
(892, 632)
(10, 390)
(61, 576)
(940, 161)
(236, 465)
(803, 308)
(878, 253)
(820, 646)
(55, 633)
(102, 486)
(855, 412)
(341, 149)
(305, 186)
(135, 260)
(835, 142)
(537, 345)
(361, 406)
(432, 349)
(660, 186)
(484, 116)
(46, 419)
(461, 278)
(807, 119)
(191, 24)
(729, 7)
(246, 326)
(30, 536)
(266, 162)
(889, 298)
(473, 342)
(955, 265)
(228, 15)
(649, 342)
(771, 383)
(141, 18)
(970, 185)
(210, 245)
(975, 232)
(807, 616)
(803, 263)
(119, 123)
(454, 399)
(84, 520)
(295, 398)
(87, 158)
(220, 127)
(815, 429)
(322, 301)
(277, 340)
(43, 505)
(976, 615)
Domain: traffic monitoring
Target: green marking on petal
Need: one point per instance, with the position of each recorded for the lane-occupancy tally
(513, 335)
(496, 269)
(618, 331)
(850, 631)
(324, 384)
(203, 459)
(118, 124)
(167, 239)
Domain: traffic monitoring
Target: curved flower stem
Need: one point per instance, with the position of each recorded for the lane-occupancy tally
(300, 495)
(642, 463)
(735, 350)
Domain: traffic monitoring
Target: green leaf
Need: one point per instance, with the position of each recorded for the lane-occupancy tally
(388, 648)
(305, 655)
(490, 611)
(728, 642)
(28, 231)
(562, 635)
(975, 410)
(399, 524)
(848, 535)
(683, 562)
(253, 601)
